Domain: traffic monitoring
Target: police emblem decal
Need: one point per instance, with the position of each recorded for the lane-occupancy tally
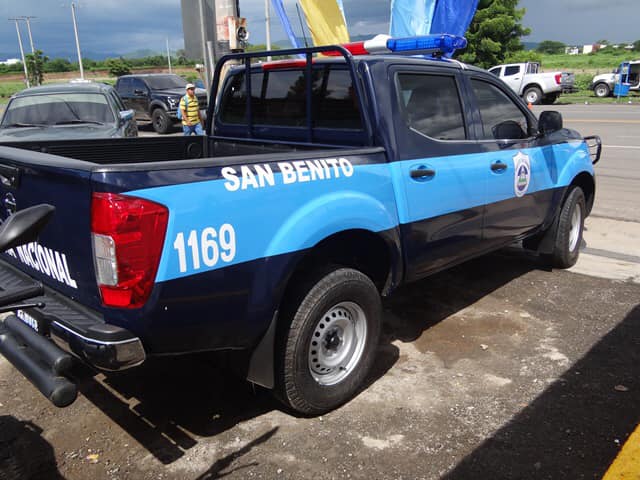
(522, 175)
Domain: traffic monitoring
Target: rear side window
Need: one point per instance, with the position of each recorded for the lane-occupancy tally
(278, 98)
(432, 105)
(124, 86)
(512, 70)
(497, 110)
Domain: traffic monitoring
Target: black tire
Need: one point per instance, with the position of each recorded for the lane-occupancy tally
(532, 95)
(328, 336)
(570, 227)
(161, 121)
(549, 99)
(601, 90)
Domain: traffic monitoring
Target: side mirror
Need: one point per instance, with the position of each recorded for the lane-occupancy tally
(126, 115)
(550, 122)
(507, 130)
(24, 226)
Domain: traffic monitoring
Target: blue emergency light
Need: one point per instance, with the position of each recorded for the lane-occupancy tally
(441, 43)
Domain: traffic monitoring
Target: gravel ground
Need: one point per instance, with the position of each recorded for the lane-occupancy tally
(495, 369)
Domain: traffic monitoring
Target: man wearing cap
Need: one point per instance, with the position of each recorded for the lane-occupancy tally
(191, 119)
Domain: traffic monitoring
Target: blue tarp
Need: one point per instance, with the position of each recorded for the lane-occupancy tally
(411, 17)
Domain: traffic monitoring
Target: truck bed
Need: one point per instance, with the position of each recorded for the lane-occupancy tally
(158, 149)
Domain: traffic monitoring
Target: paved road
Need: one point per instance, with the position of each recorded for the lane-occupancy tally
(498, 368)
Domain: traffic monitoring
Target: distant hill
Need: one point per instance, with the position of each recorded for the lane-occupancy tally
(530, 45)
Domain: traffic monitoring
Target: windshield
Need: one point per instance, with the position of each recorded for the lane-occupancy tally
(58, 109)
(165, 82)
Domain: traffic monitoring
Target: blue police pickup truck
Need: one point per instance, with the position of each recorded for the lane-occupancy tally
(324, 182)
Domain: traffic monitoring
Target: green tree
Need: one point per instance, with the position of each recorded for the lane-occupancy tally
(117, 66)
(523, 56)
(636, 45)
(495, 31)
(551, 47)
(35, 67)
(58, 65)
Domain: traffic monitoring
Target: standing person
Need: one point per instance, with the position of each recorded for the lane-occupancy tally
(191, 119)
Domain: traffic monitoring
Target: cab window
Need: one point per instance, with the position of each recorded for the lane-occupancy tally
(501, 117)
(431, 105)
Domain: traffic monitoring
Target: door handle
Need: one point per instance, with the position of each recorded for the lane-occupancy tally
(422, 173)
(498, 167)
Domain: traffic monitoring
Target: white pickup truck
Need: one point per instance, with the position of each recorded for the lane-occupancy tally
(603, 85)
(526, 80)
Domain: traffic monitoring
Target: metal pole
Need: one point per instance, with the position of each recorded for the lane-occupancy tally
(28, 20)
(268, 26)
(203, 38)
(168, 55)
(24, 63)
(75, 30)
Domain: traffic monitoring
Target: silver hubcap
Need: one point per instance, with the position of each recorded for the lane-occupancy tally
(576, 222)
(337, 343)
(532, 97)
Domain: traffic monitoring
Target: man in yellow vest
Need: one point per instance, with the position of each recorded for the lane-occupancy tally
(191, 119)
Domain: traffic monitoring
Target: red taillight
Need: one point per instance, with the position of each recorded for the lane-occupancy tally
(128, 235)
(558, 78)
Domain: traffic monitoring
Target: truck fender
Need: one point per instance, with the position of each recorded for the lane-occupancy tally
(156, 104)
(306, 227)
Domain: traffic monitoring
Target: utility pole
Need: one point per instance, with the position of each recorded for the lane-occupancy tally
(24, 63)
(168, 55)
(203, 35)
(75, 30)
(27, 19)
(268, 26)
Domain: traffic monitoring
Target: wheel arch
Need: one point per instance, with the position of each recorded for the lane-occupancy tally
(587, 183)
(376, 254)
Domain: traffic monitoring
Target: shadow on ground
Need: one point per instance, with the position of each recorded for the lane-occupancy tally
(576, 427)
(169, 402)
(24, 453)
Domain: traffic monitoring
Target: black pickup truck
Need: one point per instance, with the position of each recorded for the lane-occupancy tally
(322, 184)
(155, 97)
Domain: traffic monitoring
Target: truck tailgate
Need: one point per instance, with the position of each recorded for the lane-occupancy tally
(62, 258)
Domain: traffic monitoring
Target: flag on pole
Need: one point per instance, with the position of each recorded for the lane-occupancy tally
(326, 21)
(286, 24)
(411, 17)
(453, 16)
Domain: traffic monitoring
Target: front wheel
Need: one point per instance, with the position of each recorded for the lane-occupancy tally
(570, 227)
(329, 337)
(161, 121)
(602, 90)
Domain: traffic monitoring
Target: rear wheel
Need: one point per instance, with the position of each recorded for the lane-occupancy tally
(602, 90)
(329, 337)
(532, 95)
(570, 228)
(161, 121)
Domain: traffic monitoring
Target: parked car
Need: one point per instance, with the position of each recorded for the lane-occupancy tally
(603, 85)
(67, 111)
(155, 97)
(534, 87)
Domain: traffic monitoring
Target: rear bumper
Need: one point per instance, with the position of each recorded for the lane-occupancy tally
(35, 339)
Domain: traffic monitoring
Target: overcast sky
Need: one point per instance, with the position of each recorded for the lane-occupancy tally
(119, 26)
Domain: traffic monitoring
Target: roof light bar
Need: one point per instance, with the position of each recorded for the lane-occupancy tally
(423, 44)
